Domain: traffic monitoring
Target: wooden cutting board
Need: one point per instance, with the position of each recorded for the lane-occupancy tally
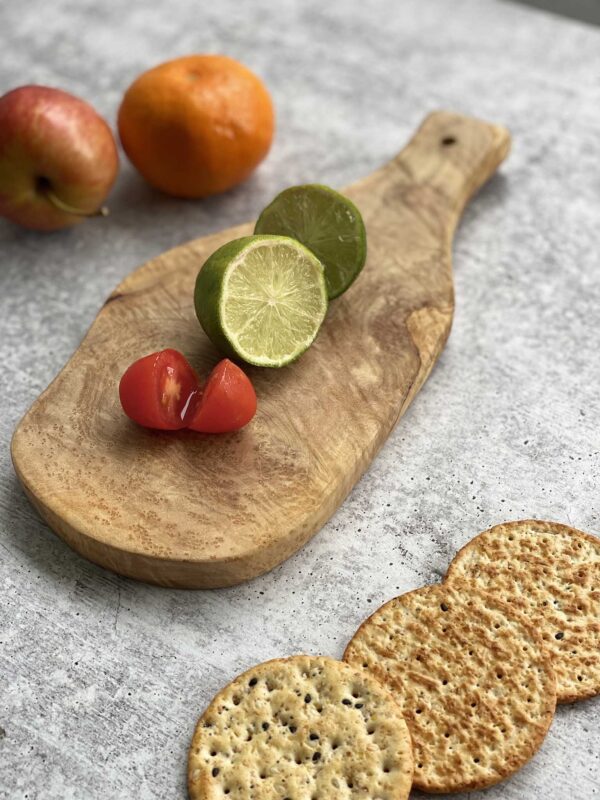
(190, 510)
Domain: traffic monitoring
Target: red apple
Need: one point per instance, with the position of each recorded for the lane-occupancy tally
(58, 158)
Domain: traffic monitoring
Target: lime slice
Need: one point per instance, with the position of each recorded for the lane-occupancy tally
(262, 299)
(327, 223)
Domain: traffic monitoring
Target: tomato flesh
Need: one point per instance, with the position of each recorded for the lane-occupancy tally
(159, 391)
(228, 401)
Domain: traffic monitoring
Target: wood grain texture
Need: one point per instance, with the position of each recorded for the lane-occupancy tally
(189, 510)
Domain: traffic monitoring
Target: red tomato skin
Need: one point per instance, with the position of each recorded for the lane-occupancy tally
(228, 401)
(157, 389)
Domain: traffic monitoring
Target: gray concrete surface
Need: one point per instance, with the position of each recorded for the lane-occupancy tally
(101, 678)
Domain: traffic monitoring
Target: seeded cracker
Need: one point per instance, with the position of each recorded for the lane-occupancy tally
(301, 728)
(475, 684)
(551, 573)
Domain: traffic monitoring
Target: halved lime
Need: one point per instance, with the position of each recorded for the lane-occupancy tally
(262, 299)
(327, 223)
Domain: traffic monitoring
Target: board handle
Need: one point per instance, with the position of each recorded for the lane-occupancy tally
(454, 155)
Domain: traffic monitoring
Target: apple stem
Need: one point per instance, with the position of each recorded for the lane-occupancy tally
(68, 209)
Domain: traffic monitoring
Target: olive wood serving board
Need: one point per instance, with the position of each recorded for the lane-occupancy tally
(190, 510)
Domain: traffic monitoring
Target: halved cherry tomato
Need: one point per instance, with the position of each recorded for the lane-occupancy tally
(228, 401)
(162, 391)
(159, 390)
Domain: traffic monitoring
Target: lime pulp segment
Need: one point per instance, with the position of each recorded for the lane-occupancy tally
(327, 223)
(262, 299)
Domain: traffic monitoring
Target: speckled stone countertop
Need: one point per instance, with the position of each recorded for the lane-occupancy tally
(102, 678)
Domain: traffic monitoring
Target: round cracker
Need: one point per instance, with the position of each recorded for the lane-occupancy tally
(301, 728)
(551, 573)
(473, 680)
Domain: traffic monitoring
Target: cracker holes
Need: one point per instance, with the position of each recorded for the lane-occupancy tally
(444, 606)
(252, 681)
(215, 772)
(560, 635)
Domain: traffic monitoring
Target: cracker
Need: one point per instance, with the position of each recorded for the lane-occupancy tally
(551, 573)
(474, 682)
(301, 728)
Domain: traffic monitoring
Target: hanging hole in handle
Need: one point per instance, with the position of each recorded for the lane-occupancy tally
(448, 141)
